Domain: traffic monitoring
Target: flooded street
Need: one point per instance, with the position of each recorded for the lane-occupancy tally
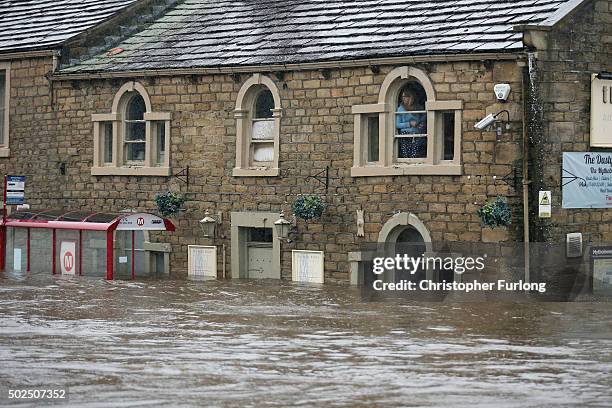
(252, 344)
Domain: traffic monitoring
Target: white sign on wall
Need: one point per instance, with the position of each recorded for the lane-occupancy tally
(68, 257)
(142, 221)
(202, 261)
(545, 204)
(601, 112)
(587, 180)
(307, 266)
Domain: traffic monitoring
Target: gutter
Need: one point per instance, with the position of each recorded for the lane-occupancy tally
(28, 54)
(286, 67)
(525, 183)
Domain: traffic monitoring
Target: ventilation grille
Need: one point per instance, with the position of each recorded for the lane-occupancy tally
(574, 245)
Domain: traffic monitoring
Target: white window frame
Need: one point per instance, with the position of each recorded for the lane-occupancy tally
(244, 112)
(388, 164)
(4, 147)
(119, 166)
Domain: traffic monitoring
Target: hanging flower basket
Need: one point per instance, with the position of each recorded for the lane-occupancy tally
(495, 213)
(169, 203)
(308, 207)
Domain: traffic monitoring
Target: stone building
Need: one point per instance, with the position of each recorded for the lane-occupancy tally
(370, 105)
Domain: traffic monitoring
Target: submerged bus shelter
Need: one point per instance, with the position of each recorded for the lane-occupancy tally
(80, 243)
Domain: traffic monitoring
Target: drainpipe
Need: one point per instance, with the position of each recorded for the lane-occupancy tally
(525, 180)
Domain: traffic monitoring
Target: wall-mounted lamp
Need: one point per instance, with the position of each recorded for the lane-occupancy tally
(283, 227)
(604, 75)
(209, 224)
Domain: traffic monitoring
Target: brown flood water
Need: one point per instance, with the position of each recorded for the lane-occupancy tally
(279, 344)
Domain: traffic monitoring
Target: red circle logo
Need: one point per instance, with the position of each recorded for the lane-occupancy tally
(140, 221)
(68, 261)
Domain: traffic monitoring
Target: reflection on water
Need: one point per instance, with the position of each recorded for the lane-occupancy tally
(250, 344)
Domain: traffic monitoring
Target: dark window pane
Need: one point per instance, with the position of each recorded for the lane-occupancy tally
(448, 129)
(264, 105)
(411, 147)
(135, 151)
(135, 131)
(373, 146)
(136, 108)
(160, 136)
(107, 129)
(260, 234)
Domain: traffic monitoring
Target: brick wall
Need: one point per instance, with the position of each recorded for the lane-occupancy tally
(35, 150)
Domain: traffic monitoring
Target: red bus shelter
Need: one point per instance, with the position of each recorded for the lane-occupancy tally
(71, 234)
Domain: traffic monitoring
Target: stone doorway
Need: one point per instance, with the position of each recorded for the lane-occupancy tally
(255, 246)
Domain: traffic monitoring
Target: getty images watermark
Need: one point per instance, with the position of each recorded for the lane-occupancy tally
(458, 265)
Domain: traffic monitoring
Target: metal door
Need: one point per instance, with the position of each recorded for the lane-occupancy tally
(259, 253)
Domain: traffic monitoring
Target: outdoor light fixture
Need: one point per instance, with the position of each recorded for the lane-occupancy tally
(283, 227)
(209, 224)
(604, 75)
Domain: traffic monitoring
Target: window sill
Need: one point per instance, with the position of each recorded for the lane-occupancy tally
(256, 172)
(130, 171)
(5, 152)
(408, 170)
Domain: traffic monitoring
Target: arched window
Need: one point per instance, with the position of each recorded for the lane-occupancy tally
(408, 131)
(262, 128)
(257, 114)
(132, 139)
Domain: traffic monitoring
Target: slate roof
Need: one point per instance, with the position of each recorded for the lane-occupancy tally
(27, 25)
(208, 33)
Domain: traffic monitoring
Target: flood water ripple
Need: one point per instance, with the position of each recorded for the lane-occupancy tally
(280, 344)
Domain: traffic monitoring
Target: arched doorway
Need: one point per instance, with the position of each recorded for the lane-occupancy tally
(405, 234)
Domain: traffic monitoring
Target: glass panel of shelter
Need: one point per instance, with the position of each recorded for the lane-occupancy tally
(123, 255)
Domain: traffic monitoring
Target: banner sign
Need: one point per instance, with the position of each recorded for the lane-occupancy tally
(587, 180)
(15, 190)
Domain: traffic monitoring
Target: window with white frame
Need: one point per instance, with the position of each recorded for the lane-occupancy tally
(408, 131)
(257, 114)
(131, 140)
(4, 108)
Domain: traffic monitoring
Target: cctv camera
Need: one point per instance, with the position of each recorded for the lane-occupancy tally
(502, 91)
(487, 121)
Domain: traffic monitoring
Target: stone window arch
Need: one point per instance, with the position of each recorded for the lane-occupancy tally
(395, 137)
(258, 114)
(132, 139)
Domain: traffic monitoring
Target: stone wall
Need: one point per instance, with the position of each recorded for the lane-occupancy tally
(35, 149)
(316, 131)
(577, 48)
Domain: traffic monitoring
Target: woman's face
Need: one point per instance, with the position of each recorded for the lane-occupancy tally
(408, 99)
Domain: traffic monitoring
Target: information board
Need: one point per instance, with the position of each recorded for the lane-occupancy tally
(15, 190)
(587, 180)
